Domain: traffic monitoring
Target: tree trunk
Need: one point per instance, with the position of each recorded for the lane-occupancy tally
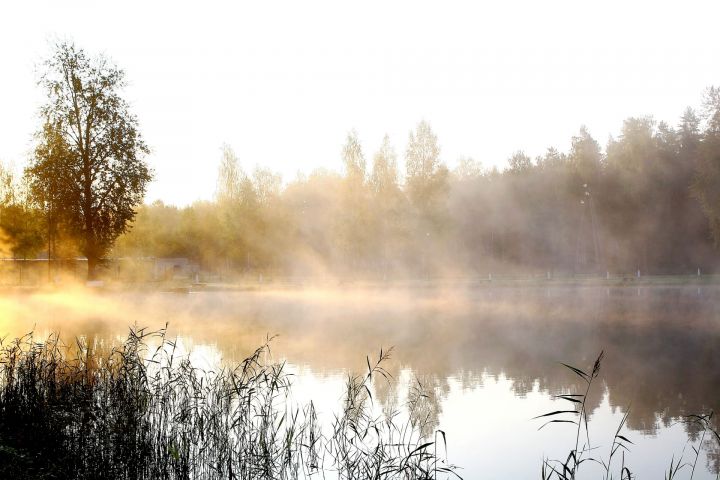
(92, 263)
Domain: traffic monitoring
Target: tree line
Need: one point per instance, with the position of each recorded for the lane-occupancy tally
(648, 201)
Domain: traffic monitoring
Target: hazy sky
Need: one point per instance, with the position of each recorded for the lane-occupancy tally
(283, 82)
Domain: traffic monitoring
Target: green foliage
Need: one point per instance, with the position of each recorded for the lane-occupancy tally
(426, 176)
(22, 227)
(649, 202)
(706, 187)
(384, 176)
(632, 207)
(353, 159)
(230, 177)
(519, 163)
(87, 171)
(585, 157)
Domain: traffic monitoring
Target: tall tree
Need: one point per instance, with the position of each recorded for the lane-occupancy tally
(238, 208)
(585, 156)
(384, 176)
(353, 223)
(689, 133)
(266, 184)
(427, 186)
(21, 228)
(706, 187)
(467, 169)
(427, 177)
(90, 149)
(230, 177)
(519, 162)
(353, 159)
(46, 186)
(386, 206)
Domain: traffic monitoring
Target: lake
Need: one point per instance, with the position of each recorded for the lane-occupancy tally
(488, 359)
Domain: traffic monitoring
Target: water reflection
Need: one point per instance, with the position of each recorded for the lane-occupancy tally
(661, 344)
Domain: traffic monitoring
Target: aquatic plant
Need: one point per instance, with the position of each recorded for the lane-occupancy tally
(583, 452)
(132, 411)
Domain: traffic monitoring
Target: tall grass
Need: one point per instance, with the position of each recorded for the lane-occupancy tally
(135, 412)
(140, 410)
(583, 452)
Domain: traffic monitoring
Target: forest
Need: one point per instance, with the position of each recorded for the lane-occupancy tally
(648, 200)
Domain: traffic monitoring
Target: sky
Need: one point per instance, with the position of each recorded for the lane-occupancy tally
(283, 82)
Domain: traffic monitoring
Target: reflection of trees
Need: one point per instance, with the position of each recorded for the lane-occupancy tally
(386, 393)
(425, 394)
(469, 379)
(661, 346)
(713, 455)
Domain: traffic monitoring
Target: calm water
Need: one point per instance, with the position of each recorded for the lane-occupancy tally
(489, 358)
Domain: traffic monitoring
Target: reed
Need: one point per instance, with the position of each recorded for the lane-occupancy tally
(139, 410)
(135, 412)
(583, 452)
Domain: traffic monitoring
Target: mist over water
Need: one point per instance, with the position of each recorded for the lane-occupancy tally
(488, 356)
(394, 276)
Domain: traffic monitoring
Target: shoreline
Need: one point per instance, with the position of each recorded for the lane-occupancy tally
(529, 282)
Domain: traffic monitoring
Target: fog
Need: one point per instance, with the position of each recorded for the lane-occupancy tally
(642, 204)
(659, 341)
(473, 276)
(492, 288)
